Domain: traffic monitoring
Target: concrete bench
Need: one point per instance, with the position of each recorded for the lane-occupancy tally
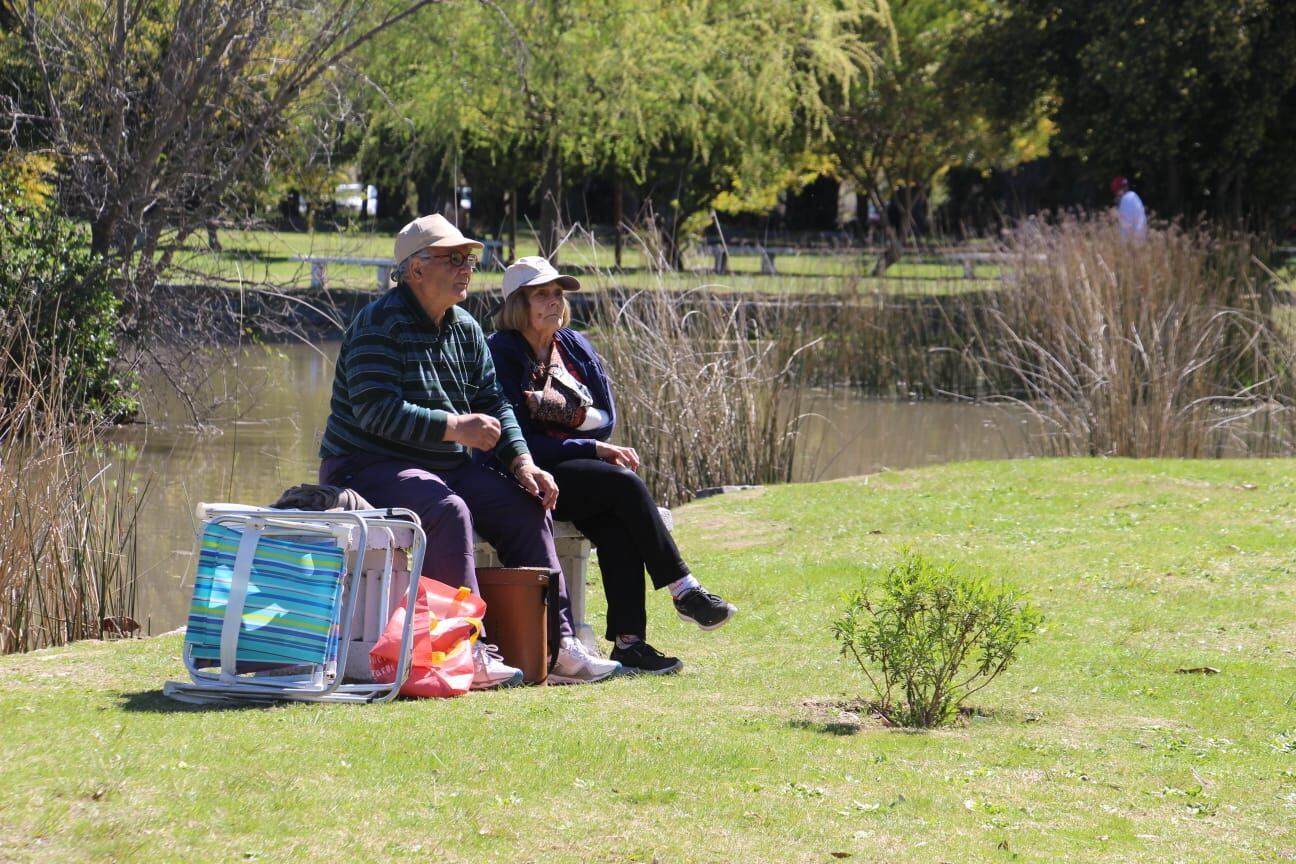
(319, 268)
(491, 256)
(720, 253)
(573, 554)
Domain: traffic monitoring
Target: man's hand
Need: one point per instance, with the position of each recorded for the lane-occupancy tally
(479, 431)
(626, 457)
(536, 480)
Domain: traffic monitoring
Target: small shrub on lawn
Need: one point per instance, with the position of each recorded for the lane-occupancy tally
(930, 635)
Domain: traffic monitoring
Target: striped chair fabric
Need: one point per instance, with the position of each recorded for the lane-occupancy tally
(291, 612)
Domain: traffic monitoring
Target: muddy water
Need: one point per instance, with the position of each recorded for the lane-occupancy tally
(277, 401)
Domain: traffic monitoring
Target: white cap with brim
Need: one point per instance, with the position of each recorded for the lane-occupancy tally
(535, 270)
(434, 231)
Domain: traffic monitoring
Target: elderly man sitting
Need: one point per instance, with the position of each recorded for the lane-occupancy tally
(414, 391)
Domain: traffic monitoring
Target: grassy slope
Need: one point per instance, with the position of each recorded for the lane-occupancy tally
(1093, 749)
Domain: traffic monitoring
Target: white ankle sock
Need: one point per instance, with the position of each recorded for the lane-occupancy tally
(680, 586)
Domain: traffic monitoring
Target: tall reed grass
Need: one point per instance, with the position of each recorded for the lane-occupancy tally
(1162, 346)
(68, 523)
(704, 395)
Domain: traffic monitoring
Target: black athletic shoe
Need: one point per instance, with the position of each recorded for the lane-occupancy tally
(642, 658)
(704, 609)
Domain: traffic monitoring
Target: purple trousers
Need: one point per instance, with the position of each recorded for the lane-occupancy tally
(451, 504)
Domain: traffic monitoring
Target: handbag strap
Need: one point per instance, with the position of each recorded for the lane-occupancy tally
(542, 369)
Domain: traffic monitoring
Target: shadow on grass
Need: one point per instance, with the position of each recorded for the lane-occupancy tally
(154, 702)
(852, 716)
(828, 727)
(838, 716)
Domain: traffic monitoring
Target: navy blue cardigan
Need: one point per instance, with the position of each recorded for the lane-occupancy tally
(513, 365)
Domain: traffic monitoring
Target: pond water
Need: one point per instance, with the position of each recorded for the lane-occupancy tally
(279, 396)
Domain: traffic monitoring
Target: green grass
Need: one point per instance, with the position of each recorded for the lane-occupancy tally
(257, 257)
(1092, 748)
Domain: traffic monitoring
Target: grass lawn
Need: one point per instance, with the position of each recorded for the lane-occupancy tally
(1092, 748)
(254, 257)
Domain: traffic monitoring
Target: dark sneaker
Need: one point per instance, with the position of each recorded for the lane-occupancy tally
(643, 659)
(704, 609)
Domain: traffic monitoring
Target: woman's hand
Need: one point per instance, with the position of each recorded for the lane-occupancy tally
(536, 480)
(626, 457)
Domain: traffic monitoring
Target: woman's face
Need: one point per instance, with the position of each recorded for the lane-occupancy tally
(546, 304)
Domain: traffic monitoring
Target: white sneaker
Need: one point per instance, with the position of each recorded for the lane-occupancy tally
(490, 670)
(576, 665)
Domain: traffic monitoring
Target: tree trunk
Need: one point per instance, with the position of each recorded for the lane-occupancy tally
(891, 250)
(618, 218)
(1173, 199)
(551, 208)
(512, 230)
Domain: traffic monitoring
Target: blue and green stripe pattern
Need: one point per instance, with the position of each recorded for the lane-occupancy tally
(399, 376)
(291, 612)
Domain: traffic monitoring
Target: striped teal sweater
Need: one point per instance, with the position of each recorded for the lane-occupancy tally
(398, 377)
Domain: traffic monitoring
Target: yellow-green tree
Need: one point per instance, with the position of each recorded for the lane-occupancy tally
(686, 98)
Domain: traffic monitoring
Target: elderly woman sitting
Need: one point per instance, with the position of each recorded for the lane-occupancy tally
(563, 403)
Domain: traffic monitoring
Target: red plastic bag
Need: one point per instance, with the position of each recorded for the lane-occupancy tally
(447, 622)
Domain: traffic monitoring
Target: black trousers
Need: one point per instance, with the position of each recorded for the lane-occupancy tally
(611, 506)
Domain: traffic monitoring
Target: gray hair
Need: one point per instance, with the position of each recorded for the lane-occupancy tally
(401, 270)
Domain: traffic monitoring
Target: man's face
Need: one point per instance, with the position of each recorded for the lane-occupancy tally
(434, 274)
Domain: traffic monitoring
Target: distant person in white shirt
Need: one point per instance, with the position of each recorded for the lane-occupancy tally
(1129, 210)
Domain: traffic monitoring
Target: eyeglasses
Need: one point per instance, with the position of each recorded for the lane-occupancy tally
(456, 259)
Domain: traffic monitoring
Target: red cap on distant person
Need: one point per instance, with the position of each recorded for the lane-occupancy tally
(1118, 183)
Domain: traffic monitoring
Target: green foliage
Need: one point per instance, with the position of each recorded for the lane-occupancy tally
(1194, 100)
(918, 120)
(930, 636)
(58, 316)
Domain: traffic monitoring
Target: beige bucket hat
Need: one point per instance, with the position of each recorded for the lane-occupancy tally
(434, 231)
(535, 270)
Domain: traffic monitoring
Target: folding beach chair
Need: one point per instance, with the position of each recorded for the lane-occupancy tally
(278, 594)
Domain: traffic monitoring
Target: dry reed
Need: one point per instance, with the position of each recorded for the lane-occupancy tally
(703, 394)
(68, 525)
(1162, 346)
